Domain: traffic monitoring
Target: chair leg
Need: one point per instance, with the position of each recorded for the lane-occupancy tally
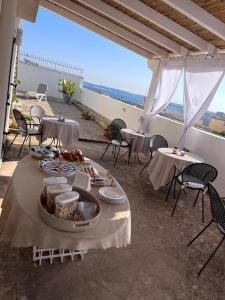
(13, 141)
(174, 188)
(168, 193)
(211, 256)
(196, 199)
(175, 205)
(129, 155)
(117, 156)
(200, 233)
(114, 152)
(107, 147)
(203, 208)
(25, 138)
(145, 166)
(29, 141)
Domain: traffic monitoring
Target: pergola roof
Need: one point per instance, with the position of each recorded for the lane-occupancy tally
(151, 27)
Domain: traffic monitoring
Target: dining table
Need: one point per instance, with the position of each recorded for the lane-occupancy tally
(140, 141)
(22, 225)
(161, 168)
(65, 131)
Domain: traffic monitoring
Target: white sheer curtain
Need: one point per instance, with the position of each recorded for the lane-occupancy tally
(166, 75)
(202, 77)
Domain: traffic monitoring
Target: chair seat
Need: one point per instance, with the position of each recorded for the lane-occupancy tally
(117, 143)
(31, 94)
(191, 182)
(30, 131)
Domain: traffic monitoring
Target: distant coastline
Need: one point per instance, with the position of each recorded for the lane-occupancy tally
(173, 109)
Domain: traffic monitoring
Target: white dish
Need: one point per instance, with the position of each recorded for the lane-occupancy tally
(112, 195)
(42, 151)
(57, 167)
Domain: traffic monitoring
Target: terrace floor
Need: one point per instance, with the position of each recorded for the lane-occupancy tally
(157, 265)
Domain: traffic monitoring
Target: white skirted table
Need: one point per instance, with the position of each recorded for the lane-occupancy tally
(66, 132)
(22, 225)
(162, 165)
(140, 143)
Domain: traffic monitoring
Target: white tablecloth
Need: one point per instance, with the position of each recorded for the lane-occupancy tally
(23, 227)
(66, 132)
(140, 142)
(162, 165)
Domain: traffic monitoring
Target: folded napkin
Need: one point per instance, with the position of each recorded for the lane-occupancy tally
(82, 180)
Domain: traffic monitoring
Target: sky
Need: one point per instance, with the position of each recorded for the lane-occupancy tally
(104, 62)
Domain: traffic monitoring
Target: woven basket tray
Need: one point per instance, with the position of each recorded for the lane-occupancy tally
(70, 225)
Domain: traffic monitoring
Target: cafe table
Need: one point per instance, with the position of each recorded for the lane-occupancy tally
(66, 132)
(140, 142)
(161, 168)
(22, 226)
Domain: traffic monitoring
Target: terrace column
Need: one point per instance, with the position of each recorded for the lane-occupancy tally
(7, 32)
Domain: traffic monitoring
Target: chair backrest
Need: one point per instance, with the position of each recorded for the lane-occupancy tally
(42, 88)
(37, 111)
(217, 206)
(114, 133)
(20, 120)
(202, 171)
(119, 123)
(157, 141)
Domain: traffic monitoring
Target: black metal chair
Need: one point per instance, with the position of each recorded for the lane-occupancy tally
(119, 123)
(117, 141)
(156, 141)
(195, 177)
(218, 217)
(25, 130)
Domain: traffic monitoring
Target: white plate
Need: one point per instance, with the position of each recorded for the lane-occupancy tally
(57, 167)
(112, 195)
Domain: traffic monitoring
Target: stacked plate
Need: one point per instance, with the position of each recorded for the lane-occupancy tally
(112, 195)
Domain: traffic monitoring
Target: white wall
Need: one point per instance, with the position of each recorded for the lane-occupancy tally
(111, 108)
(30, 76)
(207, 145)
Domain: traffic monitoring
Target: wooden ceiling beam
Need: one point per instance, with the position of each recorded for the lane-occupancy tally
(198, 15)
(134, 25)
(93, 27)
(108, 25)
(166, 23)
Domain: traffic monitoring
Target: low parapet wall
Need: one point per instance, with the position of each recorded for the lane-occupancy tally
(211, 147)
(31, 75)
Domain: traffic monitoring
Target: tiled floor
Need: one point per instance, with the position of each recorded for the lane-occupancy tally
(157, 265)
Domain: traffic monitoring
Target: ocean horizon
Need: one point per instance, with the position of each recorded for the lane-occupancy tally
(138, 100)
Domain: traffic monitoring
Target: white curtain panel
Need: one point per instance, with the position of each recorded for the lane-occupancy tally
(202, 77)
(164, 82)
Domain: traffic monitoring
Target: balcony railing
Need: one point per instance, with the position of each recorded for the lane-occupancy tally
(50, 64)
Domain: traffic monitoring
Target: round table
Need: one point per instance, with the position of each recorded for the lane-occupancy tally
(66, 132)
(162, 165)
(140, 143)
(23, 227)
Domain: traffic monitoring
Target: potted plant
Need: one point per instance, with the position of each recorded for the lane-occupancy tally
(67, 88)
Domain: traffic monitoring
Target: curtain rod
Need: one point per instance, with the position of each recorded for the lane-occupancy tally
(190, 55)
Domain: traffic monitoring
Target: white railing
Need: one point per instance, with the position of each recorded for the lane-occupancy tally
(48, 64)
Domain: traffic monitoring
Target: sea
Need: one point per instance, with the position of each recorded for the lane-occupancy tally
(138, 100)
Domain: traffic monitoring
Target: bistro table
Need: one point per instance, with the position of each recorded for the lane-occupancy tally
(162, 165)
(22, 225)
(66, 132)
(140, 143)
